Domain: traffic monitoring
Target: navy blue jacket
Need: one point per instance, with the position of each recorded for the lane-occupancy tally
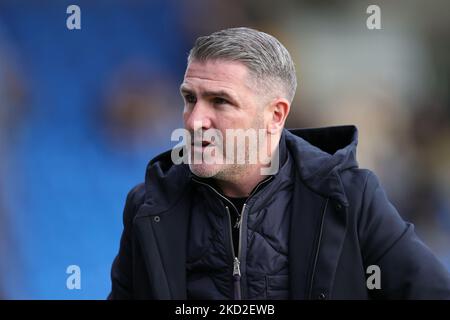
(341, 223)
(258, 268)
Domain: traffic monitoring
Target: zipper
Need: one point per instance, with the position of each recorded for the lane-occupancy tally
(216, 192)
(236, 259)
(317, 249)
(236, 262)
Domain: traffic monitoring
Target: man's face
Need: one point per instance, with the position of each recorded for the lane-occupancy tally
(219, 95)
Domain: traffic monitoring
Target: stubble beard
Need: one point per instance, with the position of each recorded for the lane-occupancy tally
(231, 172)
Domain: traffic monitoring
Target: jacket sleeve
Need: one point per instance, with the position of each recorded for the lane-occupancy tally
(408, 268)
(121, 271)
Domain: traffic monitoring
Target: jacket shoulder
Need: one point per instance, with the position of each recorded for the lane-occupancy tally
(355, 182)
(135, 199)
(368, 200)
(361, 185)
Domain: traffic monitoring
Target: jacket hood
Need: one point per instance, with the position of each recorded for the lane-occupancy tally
(319, 155)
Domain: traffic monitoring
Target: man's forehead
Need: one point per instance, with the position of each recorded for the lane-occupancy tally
(225, 73)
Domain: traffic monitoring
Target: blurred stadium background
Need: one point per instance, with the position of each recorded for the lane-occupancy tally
(82, 112)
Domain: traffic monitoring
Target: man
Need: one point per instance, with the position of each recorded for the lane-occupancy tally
(309, 229)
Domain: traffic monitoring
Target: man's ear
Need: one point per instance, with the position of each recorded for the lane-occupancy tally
(278, 111)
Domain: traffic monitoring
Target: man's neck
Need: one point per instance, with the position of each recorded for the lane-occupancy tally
(243, 185)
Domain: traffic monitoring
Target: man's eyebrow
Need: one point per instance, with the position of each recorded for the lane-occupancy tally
(218, 93)
(210, 93)
(184, 89)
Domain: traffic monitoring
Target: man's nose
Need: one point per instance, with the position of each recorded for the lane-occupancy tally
(199, 117)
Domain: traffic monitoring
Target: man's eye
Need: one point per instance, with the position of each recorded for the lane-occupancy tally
(190, 98)
(219, 101)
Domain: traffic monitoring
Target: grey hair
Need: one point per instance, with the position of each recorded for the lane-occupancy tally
(265, 57)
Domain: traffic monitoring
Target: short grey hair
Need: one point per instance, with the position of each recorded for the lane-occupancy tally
(266, 58)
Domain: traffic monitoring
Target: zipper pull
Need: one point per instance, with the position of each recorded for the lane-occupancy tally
(236, 268)
(237, 225)
(237, 279)
(239, 220)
